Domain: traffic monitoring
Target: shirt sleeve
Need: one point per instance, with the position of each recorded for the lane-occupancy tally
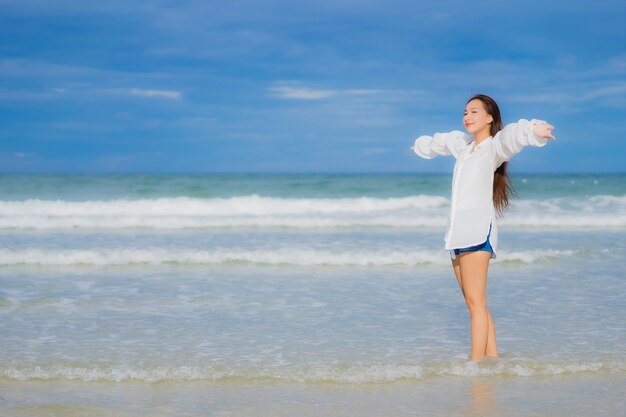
(443, 144)
(513, 138)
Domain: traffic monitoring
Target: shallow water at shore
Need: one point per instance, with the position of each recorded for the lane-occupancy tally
(328, 296)
(554, 396)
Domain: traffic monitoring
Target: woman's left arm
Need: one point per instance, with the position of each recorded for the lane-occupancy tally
(516, 136)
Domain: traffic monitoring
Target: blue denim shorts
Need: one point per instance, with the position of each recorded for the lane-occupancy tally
(483, 246)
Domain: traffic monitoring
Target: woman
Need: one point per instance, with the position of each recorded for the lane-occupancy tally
(480, 191)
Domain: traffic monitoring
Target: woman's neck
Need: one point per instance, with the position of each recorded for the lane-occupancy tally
(479, 137)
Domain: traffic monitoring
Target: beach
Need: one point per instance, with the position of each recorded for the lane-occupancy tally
(554, 396)
(302, 294)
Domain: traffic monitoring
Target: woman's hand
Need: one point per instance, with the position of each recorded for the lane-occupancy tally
(543, 130)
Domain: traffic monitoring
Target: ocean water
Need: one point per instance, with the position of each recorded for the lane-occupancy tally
(249, 287)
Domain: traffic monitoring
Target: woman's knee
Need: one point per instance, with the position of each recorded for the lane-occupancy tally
(476, 303)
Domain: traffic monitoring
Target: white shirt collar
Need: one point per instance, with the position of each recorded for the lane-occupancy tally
(483, 142)
(480, 145)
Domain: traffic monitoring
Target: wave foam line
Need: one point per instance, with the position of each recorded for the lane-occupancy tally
(179, 222)
(300, 213)
(294, 257)
(344, 374)
(245, 205)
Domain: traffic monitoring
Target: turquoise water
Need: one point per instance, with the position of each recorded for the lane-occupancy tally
(342, 279)
(135, 186)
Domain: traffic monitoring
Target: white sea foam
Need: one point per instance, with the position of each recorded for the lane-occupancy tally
(245, 205)
(198, 222)
(347, 374)
(301, 213)
(280, 256)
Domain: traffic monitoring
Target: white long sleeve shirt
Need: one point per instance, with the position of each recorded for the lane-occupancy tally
(471, 209)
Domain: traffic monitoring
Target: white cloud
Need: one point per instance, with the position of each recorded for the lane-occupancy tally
(581, 97)
(612, 90)
(28, 95)
(304, 93)
(168, 94)
(300, 93)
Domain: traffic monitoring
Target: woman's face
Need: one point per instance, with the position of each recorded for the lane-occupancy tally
(476, 119)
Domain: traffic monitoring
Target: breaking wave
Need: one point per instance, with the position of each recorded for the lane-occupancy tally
(343, 374)
(286, 256)
(423, 211)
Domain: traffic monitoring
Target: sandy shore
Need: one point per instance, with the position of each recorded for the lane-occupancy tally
(554, 396)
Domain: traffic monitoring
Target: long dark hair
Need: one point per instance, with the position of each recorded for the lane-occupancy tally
(502, 187)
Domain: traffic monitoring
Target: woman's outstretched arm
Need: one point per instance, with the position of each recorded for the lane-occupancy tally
(516, 136)
(450, 143)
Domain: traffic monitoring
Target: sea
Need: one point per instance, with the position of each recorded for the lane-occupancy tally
(304, 294)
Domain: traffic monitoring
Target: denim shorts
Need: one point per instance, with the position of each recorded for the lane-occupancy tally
(483, 246)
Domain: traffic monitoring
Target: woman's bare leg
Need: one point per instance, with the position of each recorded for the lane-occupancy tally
(457, 271)
(492, 348)
(473, 268)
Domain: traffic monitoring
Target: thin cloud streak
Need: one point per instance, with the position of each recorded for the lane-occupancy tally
(300, 93)
(584, 96)
(306, 93)
(168, 94)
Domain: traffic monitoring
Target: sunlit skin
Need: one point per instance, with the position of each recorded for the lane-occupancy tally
(471, 268)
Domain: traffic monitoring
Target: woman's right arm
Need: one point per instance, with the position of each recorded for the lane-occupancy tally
(450, 143)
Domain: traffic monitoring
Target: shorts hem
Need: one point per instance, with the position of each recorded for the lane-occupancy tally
(484, 247)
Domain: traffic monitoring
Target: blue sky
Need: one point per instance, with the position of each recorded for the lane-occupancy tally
(304, 86)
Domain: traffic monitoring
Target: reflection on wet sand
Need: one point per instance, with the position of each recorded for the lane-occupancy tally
(483, 398)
